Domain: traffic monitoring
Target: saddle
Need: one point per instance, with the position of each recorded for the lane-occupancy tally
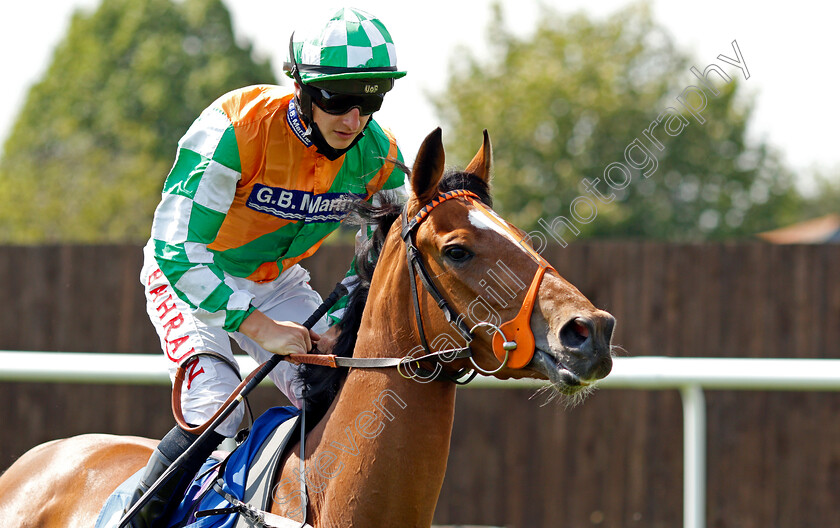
(234, 492)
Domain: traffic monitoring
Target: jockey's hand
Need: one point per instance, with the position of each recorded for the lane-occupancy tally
(278, 337)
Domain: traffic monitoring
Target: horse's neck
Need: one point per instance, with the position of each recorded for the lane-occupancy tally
(392, 435)
(378, 458)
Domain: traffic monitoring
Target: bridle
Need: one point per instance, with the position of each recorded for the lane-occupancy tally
(416, 267)
(513, 341)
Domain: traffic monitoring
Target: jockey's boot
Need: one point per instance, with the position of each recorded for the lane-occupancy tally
(157, 510)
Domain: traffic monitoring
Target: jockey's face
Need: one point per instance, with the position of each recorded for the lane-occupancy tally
(339, 130)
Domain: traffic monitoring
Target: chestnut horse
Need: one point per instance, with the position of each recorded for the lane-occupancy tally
(378, 456)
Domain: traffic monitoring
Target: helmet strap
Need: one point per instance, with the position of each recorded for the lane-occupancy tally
(324, 148)
(302, 99)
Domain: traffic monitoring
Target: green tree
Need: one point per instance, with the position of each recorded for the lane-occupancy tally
(565, 102)
(826, 196)
(87, 157)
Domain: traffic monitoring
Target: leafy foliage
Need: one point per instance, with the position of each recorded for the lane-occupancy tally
(826, 195)
(565, 102)
(89, 152)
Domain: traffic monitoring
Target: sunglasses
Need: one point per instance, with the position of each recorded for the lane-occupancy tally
(339, 103)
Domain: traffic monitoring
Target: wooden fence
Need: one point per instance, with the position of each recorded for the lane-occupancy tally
(614, 461)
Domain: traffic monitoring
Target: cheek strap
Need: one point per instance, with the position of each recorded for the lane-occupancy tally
(518, 330)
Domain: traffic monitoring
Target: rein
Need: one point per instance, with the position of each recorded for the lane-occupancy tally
(513, 341)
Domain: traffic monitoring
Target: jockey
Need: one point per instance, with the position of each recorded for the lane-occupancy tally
(257, 185)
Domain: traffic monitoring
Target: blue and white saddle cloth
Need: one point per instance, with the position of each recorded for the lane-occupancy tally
(245, 477)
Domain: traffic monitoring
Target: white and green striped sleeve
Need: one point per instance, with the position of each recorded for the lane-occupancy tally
(196, 197)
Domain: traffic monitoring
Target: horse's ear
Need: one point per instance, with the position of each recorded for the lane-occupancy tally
(428, 168)
(480, 164)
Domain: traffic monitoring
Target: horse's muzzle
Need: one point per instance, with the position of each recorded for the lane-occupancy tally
(586, 345)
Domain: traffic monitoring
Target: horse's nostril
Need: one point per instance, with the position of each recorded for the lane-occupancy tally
(575, 332)
(581, 328)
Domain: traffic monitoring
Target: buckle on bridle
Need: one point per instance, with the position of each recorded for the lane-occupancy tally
(507, 346)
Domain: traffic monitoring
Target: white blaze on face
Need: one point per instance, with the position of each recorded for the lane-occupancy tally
(481, 220)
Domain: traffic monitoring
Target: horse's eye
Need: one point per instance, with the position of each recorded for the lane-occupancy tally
(457, 254)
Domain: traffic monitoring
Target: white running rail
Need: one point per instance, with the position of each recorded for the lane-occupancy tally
(691, 376)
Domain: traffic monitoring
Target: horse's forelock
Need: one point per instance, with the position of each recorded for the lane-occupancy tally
(456, 180)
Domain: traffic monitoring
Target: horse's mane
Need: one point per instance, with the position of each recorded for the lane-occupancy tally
(321, 384)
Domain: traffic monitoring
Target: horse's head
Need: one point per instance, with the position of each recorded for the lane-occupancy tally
(492, 278)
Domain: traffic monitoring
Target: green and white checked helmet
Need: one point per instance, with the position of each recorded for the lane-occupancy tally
(352, 45)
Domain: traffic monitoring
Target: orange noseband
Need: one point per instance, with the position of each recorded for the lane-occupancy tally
(516, 340)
